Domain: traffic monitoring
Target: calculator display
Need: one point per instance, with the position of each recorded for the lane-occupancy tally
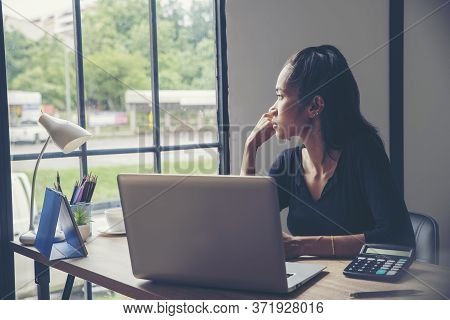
(387, 251)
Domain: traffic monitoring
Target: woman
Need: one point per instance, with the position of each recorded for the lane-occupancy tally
(338, 185)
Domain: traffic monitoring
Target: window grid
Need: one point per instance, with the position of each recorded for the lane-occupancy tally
(157, 148)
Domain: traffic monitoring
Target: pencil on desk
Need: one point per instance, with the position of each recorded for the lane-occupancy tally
(92, 187)
(387, 293)
(75, 187)
(79, 194)
(91, 193)
(80, 190)
(86, 191)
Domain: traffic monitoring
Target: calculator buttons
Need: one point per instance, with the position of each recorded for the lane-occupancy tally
(381, 272)
(391, 273)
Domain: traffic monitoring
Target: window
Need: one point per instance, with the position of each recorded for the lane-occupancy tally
(149, 95)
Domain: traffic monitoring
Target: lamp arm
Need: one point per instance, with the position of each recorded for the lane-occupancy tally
(31, 226)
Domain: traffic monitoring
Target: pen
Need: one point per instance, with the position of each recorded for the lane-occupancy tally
(389, 293)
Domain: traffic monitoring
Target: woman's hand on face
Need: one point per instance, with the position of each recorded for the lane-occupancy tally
(263, 130)
(292, 246)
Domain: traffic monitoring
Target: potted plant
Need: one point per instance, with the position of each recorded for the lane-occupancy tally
(82, 219)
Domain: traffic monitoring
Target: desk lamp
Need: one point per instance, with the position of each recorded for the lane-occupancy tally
(68, 137)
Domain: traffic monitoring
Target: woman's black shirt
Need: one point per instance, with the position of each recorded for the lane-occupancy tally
(360, 197)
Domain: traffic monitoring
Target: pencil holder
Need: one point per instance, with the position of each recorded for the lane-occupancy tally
(82, 215)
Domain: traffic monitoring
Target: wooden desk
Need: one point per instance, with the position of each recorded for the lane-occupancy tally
(108, 265)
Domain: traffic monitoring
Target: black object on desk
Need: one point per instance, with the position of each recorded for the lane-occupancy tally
(383, 294)
(380, 262)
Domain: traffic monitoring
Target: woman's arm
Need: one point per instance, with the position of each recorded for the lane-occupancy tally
(392, 224)
(249, 159)
(262, 132)
(323, 246)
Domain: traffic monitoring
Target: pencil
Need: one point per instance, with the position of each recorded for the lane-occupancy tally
(75, 187)
(388, 293)
(91, 193)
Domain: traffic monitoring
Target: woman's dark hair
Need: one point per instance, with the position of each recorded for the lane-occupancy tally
(324, 71)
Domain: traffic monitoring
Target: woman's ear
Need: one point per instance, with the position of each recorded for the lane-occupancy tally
(317, 106)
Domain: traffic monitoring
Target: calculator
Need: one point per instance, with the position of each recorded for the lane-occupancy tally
(380, 262)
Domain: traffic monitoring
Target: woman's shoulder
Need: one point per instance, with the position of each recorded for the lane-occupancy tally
(366, 144)
(287, 159)
(367, 152)
(291, 156)
(290, 152)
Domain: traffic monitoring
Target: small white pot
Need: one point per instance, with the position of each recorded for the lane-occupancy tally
(84, 231)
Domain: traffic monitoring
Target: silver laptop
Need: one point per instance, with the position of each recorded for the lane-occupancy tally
(213, 231)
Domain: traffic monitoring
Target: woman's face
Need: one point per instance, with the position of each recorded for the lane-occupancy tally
(287, 116)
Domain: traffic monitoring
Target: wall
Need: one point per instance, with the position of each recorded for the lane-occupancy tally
(427, 113)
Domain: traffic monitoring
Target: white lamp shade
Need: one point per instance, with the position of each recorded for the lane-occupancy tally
(66, 135)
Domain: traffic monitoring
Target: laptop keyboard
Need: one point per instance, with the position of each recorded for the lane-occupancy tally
(288, 275)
